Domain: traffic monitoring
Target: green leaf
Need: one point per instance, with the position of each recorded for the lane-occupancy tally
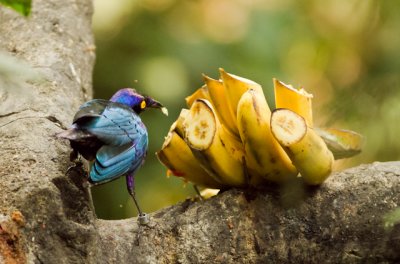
(21, 6)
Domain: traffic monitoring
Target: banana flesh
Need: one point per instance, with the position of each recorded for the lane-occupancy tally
(208, 193)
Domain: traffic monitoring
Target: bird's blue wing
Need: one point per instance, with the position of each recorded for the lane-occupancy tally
(114, 161)
(122, 134)
(112, 123)
(90, 109)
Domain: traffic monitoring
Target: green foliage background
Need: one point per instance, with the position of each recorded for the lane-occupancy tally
(345, 52)
(21, 6)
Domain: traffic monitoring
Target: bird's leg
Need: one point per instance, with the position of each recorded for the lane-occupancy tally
(130, 184)
(86, 185)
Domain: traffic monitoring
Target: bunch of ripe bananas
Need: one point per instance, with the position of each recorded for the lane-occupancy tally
(230, 137)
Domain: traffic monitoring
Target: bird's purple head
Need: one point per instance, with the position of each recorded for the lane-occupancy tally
(136, 101)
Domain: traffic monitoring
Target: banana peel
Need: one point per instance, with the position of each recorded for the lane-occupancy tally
(220, 103)
(342, 143)
(297, 100)
(235, 87)
(201, 93)
(178, 158)
(263, 155)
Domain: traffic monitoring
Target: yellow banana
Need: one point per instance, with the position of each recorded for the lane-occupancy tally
(231, 143)
(229, 137)
(235, 86)
(264, 155)
(204, 135)
(201, 93)
(299, 101)
(220, 104)
(176, 155)
(305, 148)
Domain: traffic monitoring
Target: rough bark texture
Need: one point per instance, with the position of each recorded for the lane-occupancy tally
(341, 222)
(56, 224)
(45, 216)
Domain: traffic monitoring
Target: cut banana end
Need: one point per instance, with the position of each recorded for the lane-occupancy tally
(202, 131)
(297, 100)
(200, 125)
(201, 93)
(306, 149)
(176, 155)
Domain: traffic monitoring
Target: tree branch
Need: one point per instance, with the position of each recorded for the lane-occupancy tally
(36, 224)
(341, 222)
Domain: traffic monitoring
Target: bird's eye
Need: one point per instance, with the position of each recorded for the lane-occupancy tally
(143, 104)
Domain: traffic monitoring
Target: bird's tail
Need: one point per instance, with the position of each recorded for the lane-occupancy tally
(74, 134)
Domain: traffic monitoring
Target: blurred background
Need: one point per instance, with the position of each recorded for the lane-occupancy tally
(345, 52)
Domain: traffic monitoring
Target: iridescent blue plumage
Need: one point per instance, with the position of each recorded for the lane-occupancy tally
(112, 135)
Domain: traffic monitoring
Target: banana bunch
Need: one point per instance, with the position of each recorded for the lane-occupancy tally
(229, 137)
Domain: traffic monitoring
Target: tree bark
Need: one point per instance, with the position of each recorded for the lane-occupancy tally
(340, 222)
(45, 212)
(56, 224)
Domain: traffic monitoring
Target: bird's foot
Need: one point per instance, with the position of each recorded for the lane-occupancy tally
(143, 219)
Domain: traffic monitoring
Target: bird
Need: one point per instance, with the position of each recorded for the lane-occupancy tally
(112, 137)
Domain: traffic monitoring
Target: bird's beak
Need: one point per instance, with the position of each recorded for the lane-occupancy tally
(155, 104)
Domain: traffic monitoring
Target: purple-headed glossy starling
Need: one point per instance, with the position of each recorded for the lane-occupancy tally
(112, 136)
